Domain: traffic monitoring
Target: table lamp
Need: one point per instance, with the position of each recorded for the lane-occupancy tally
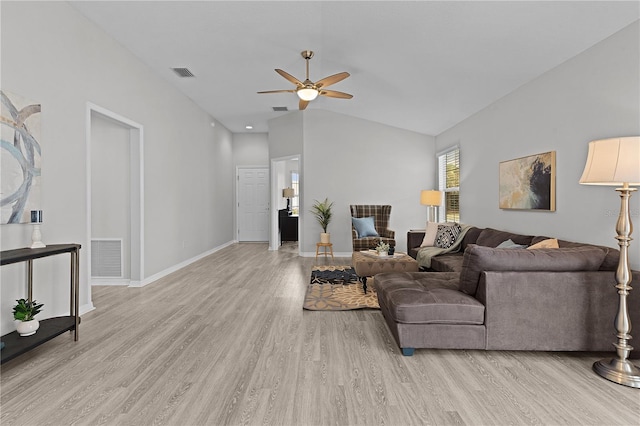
(288, 193)
(36, 235)
(431, 198)
(616, 162)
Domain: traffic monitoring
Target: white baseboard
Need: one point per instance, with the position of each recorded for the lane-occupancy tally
(83, 310)
(86, 308)
(110, 281)
(177, 267)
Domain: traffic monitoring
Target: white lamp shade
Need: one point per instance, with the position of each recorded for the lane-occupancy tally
(288, 193)
(614, 162)
(307, 94)
(430, 198)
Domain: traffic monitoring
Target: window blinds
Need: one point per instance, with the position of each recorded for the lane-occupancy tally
(449, 183)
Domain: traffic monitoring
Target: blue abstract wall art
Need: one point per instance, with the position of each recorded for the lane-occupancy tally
(20, 158)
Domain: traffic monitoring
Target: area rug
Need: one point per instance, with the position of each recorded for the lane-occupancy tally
(337, 288)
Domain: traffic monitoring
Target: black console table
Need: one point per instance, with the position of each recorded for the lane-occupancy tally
(288, 226)
(16, 345)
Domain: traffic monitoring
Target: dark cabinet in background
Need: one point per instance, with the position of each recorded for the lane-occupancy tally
(288, 226)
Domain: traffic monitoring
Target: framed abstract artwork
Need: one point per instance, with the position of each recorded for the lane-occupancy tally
(20, 156)
(529, 183)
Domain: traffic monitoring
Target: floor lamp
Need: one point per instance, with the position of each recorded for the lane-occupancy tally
(431, 199)
(616, 162)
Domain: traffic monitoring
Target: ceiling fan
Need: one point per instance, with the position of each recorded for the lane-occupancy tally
(308, 90)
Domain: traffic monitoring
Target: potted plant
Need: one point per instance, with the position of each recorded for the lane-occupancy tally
(382, 248)
(322, 213)
(24, 312)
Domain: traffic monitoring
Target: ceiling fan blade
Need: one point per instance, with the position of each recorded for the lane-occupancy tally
(303, 104)
(332, 79)
(278, 91)
(334, 94)
(289, 77)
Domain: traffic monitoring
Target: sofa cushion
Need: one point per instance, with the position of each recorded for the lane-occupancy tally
(470, 237)
(611, 258)
(449, 262)
(364, 226)
(492, 238)
(427, 298)
(370, 243)
(477, 259)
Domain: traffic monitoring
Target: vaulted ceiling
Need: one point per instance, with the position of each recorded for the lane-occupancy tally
(417, 65)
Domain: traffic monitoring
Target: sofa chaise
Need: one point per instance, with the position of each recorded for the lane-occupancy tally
(484, 297)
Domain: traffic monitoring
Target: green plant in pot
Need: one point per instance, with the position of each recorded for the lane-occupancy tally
(382, 248)
(322, 212)
(24, 313)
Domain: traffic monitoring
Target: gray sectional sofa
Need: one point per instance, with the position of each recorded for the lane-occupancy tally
(483, 297)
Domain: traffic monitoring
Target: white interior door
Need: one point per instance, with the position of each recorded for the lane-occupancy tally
(253, 204)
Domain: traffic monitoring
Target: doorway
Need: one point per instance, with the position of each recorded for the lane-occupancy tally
(115, 198)
(286, 172)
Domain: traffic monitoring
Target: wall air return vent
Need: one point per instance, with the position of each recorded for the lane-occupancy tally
(106, 258)
(283, 108)
(183, 72)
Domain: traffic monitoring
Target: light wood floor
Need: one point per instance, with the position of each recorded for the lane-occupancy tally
(225, 341)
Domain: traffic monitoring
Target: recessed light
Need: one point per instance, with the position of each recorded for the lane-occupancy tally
(248, 127)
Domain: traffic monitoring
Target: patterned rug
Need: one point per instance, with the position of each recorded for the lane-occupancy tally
(337, 288)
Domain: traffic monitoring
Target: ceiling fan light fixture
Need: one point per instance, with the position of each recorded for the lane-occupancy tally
(307, 93)
(307, 90)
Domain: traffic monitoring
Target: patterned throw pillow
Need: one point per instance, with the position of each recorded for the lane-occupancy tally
(447, 235)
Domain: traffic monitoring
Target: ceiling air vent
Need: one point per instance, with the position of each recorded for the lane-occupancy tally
(183, 72)
(283, 108)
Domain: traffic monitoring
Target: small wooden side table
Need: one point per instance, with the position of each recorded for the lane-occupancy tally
(328, 249)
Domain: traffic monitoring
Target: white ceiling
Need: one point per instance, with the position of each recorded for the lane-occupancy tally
(417, 65)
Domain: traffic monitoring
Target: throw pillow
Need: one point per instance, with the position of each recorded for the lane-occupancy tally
(550, 243)
(364, 226)
(447, 235)
(490, 237)
(510, 244)
(430, 235)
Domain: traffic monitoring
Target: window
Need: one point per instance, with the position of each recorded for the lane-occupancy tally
(449, 183)
(295, 201)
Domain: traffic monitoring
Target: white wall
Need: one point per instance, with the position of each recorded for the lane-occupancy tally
(285, 135)
(64, 61)
(591, 96)
(354, 161)
(250, 149)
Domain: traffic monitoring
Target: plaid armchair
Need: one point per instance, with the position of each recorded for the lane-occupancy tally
(381, 222)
